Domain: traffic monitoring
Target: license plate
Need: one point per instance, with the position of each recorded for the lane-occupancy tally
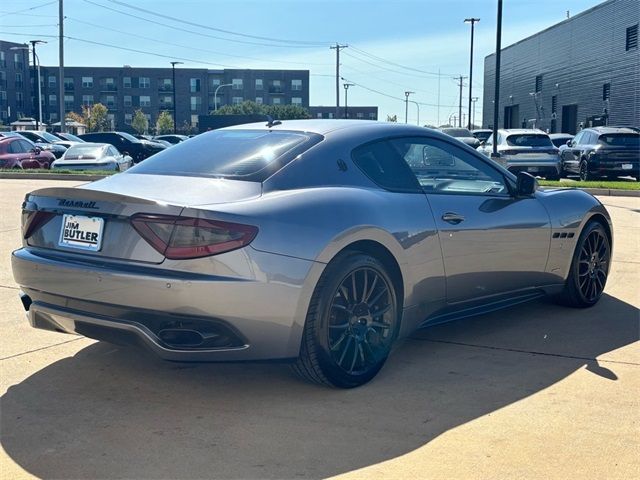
(627, 166)
(79, 231)
(533, 169)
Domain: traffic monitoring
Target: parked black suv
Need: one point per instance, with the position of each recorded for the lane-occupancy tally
(125, 143)
(603, 152)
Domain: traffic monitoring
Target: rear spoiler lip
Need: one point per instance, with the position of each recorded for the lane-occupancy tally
(70, 193)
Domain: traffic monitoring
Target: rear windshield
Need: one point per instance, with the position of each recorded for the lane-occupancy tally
(559, 141)
(529, 140)
(236, 154)
(72, 138)
(620, 139)
(83, 152)
(457, 132)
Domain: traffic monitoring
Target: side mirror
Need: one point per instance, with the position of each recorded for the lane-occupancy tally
(526, 184)
(36, 150)
(127, 158)
(570, 143)
(483, 143)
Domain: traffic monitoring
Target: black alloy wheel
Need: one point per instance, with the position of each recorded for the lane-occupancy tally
(589, 267)
(352, 323)
(584, 172)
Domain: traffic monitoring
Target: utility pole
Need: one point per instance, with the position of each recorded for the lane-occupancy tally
(472, 21)
(438, 98)
(461, 84)
(346, 90)
(63, 122)
(337, 48)
(496, 97)
(173, 84)
(406, 106)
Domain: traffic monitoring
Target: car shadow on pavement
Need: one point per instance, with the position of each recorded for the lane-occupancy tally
(115, 412)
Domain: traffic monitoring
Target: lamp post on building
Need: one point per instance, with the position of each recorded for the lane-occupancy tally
(472, 21)
(215, 95)
(173, 84)
(346, 92)
(406, 106)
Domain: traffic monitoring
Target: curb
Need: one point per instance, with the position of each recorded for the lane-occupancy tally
(607, 192)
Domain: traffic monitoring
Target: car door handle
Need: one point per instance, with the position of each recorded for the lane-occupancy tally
(452, 218)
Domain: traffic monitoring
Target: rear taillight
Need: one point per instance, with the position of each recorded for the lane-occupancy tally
(33, 220)
(181, 238)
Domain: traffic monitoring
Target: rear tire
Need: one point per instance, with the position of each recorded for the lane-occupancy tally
(351, 324)
(589, 268)
(585, 176)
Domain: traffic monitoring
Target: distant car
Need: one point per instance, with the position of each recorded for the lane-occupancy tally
(68, 137)
(174, 139)
(482, 134)
(603, 152)
(20, 153)
(560, 139)
(462, 134)
(93, 156)
(126, 143)
(45, 141)
(526, 150)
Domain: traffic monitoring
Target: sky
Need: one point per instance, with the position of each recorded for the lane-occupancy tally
(393, 46)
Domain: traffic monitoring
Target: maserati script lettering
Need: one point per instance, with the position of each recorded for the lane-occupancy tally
(77, 204)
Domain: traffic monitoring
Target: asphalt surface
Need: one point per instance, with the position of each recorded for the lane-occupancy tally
(535, 391)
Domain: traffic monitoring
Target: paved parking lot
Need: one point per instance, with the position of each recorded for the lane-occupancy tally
(536, 391)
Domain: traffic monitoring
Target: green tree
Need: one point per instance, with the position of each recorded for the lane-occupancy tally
(164, 123)
(75, 117)
(139, 122)
(392, 118)
(277, 112)
(96, 117)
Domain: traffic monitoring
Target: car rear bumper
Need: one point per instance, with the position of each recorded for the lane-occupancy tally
(178, 316)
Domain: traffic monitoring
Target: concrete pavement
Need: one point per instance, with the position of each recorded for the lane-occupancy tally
(535, 391)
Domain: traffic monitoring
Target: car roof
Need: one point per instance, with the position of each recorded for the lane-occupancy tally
(522, 131)
(560, 135)
(604, 130)
(481, 130)
(90, 144)
(328, 127)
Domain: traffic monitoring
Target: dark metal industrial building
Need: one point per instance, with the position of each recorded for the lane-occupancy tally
(584, 71)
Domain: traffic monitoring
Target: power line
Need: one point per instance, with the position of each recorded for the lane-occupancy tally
(380, 59)
(202, 34)
(18, 12)
(385, 94)
(208, 27)
(191, 47)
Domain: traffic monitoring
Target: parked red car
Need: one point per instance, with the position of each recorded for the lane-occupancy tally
(18, 152)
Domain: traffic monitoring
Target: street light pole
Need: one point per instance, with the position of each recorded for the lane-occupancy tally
(472, 21)
(496, 97)
(473, 121)
(418, 107)
(346, 92)
(215, 95)
(173, 84)
(406, 106)
(36, 77)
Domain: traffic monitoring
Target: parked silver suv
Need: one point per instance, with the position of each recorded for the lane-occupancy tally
(525, 150)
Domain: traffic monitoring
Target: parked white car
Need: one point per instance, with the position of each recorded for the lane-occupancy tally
(525, 150)
(93, 156)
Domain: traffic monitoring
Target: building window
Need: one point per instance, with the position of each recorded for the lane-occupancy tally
(277, 101)
(109, 85)
(259, 85)
(194, 85)
(296, 85)
(144, 82)
(360, 115)
(4, 115)
(128, 101)
(145, 101)
(259, 100)
(53, 100)
(296, 101)
(52, 81)
(166, 85)
(68, 102)
(554, 104)
(318, 115)
(236, 100)
(110, 101)
(215, 82)
(68, 83)
(126, 82)
(606, 91)
(196, 103)
(3, 62)
(194, 121)
(17, 61)
(538, 83)
(19, 100)
(236, 84)
(87, 100)
(53, 117)
(330, 115)
(87, 82)
(127, 118)
(112, 120)
(148, 117)
(632, 37)
(19, 83)
(166, 101)
(372, 116)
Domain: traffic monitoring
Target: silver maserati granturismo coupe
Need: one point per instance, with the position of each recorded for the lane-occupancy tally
(318, 242)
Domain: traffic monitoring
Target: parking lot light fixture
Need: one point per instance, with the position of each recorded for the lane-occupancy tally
(406, 105)
(472, 21)
(173, 84)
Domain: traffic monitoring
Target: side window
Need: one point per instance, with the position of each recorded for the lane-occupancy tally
(14, 147)
(25, 146)
(113, 151)
(489, 140)
(577, 140)
(385, 166)
(444, 168)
